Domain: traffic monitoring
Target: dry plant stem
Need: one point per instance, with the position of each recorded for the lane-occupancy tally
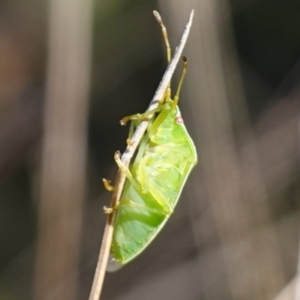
(126, 158)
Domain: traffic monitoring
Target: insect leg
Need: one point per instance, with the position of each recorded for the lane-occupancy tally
(131, 131)
(141, 151)
(152, 128)
(142, 116)
(161, 193)
(127, 172)
(107, 184)
(134, 204)
(109, 210)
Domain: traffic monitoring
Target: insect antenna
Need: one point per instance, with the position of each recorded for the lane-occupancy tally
(164, 33)
(168, 48)
(183, 72)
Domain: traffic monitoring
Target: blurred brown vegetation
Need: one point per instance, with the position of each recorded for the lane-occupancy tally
(235, 232)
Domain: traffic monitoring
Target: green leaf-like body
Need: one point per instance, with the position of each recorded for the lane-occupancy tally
(161, 170)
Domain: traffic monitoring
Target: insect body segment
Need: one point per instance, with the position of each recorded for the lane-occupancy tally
(165, 163)
(164, 160)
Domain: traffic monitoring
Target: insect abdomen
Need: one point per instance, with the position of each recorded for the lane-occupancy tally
(134, 226)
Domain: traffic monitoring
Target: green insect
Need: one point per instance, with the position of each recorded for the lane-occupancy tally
(164, 160)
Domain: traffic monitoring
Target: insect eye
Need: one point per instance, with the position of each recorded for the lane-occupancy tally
(179, 120)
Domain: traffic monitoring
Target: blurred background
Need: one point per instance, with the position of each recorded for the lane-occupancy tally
(70, 70)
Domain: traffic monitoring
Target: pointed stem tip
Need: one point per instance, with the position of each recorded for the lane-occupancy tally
(191, 16)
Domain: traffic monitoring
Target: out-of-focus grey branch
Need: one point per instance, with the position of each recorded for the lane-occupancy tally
(64, 150)
(288, 293)
(297, 279)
